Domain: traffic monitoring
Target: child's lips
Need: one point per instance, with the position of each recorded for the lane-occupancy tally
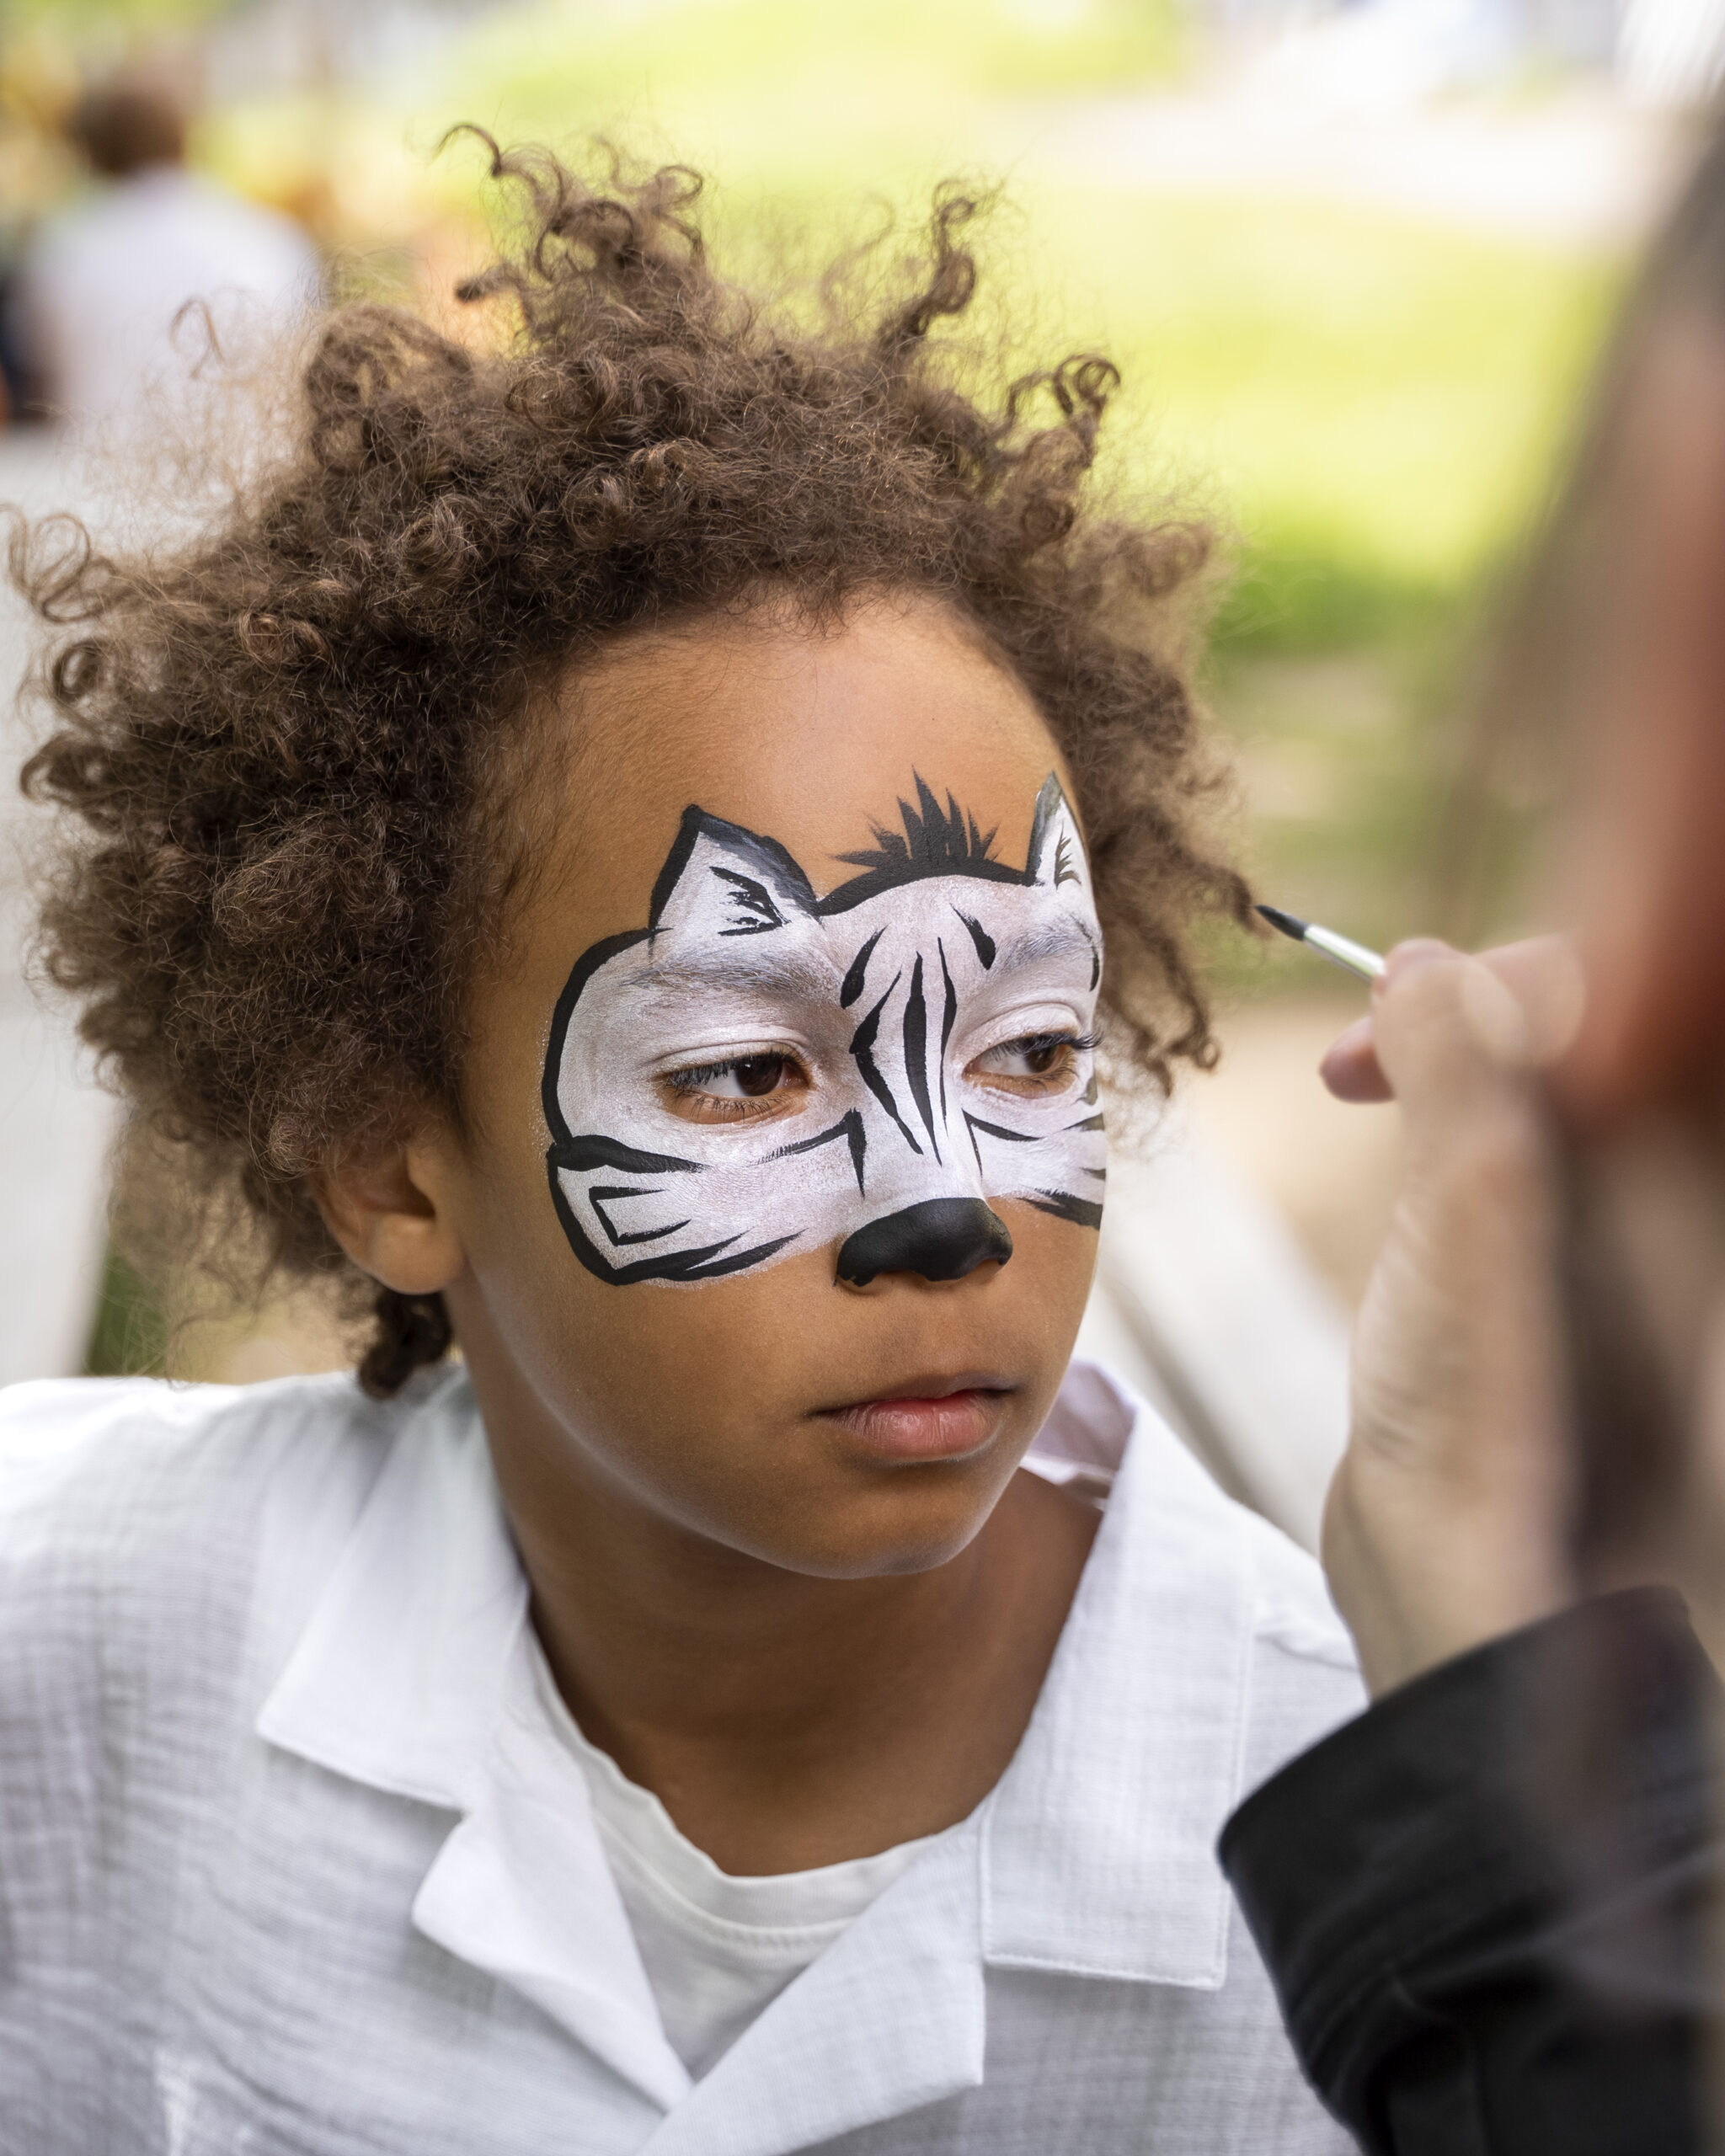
(929, 1418)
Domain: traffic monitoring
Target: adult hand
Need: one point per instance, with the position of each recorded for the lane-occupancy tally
(1447, 1523)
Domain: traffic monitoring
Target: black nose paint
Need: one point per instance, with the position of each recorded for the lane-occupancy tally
(941, 1239)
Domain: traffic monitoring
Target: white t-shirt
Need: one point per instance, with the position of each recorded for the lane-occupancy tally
(717, 1949)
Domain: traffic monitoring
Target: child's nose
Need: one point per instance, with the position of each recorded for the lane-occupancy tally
(940, 1239)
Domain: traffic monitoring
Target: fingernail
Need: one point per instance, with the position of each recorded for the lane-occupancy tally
(1408, 957)
(1494, 1016)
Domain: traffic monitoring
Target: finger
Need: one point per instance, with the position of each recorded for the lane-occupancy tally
(1544, 975)
(1350, 1067)
(1446, 1029)
(1444, 1025)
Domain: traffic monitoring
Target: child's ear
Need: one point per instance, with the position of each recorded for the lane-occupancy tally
(389, 1212)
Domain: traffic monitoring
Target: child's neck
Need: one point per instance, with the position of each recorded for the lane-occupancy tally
(785, 1721)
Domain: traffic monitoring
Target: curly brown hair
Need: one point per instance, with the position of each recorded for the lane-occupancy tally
(283, 742)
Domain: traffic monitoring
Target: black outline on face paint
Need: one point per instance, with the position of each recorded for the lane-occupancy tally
(937, 841)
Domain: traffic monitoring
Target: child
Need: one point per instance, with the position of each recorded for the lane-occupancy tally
(613, 845)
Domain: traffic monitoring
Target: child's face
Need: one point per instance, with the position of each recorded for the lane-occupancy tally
(828, 1134)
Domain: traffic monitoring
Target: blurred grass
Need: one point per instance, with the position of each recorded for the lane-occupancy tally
(129, 1336)
(888, 57)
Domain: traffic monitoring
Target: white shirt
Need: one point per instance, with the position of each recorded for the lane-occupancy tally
(102, 283)
(293, 1863)
(717, 1949)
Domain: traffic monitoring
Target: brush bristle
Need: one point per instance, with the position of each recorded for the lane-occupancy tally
(1289, 924)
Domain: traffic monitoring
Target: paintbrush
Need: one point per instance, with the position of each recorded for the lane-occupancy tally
(1340, 950)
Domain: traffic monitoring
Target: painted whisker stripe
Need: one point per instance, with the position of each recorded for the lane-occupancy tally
(949, 1012)
(873, 1076)
(848, 1126)
(981, 938)
(743, 1259)
(857, 971)
(596, 1195)
(1081, 1212)
(916, 1052)
(704, 1264)
(973, 1124)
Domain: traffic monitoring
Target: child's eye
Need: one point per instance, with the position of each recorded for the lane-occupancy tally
(1036, 1062)
(740, 1089)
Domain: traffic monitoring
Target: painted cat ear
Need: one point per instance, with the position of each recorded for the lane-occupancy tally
(720, 880)
(1056, 854)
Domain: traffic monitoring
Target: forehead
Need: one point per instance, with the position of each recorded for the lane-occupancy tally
(809, 735)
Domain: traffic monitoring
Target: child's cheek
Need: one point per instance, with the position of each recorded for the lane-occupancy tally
(712, 1404)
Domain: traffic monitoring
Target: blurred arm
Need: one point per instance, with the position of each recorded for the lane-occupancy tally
(1478, 1948)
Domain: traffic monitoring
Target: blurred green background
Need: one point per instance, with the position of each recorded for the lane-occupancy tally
(1369, 404)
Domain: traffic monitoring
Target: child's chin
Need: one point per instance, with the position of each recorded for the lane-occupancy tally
(859, 1543)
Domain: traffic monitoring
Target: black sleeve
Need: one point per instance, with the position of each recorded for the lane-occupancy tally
(1486, 1903)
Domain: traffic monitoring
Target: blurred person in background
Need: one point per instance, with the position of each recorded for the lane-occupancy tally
(1491, 1903)
(99, 309)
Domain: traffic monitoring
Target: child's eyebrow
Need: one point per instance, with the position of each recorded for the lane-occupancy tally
(799, 972)
(1055, 939)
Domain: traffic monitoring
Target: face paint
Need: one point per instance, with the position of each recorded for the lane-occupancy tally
(935, 1009)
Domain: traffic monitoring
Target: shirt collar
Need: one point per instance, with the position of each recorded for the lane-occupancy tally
(414, 1676)
(398, 1680)
(1095, 1849)
(1099, 1840)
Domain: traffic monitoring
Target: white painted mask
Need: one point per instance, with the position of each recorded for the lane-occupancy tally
(925, 999)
